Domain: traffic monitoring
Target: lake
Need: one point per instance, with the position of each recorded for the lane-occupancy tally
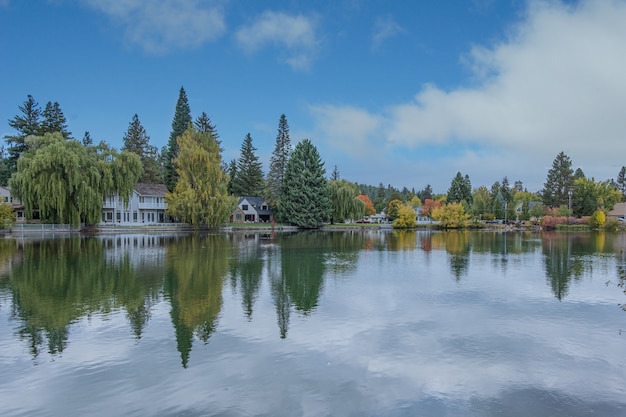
(348, 323)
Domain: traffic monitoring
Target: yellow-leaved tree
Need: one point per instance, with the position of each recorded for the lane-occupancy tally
(406, 217)
(200, 196)
(451, 216)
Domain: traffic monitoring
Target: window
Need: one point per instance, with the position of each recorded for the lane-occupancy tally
(244, 207)
(109, 216)
(238, 216)
(141, 199)
(118, 216)
(135, 216)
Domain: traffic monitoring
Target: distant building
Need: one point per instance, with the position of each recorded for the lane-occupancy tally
(146, 206)
(252, 210)
(619, 211)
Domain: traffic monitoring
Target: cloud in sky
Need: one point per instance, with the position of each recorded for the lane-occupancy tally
(295, 33)
(159, 26)
(556, 83)
(384, 28)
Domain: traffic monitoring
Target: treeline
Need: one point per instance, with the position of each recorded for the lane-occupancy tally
(46, 168)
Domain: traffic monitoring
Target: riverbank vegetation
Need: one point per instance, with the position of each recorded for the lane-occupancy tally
(66, 179)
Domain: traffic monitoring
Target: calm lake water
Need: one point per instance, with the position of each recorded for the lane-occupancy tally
(354, 323)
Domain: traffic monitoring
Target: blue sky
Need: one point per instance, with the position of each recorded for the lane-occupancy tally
(403, 93)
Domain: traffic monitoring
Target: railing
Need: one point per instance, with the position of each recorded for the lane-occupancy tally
(41, 227)
(144, 206)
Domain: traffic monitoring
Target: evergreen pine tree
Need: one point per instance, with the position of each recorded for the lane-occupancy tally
(559, 182)
(231, 169)
(180, 123)
(87, 140)
(305, 200)
(278, 163)
(137, 141)
(426, 193)
(203, 125)
(26, 124)
(4, 168)
(621, 182)
(54, 120)
(248, 180)
(460, 189)
(505, 190)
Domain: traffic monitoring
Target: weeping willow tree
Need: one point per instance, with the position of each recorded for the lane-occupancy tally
(200, 196)
(68, 181)
(344, 201)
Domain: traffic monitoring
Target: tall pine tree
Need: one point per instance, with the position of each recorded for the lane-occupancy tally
(137, 141)
(180, 123)
(278, 163)
(26, 124)
(559, 182)
(460, 189)
(54, 120)
(248, 179)
(305, 200)
(203, 125)
(621, 182)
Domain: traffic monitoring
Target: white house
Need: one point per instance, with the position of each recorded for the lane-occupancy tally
(146, 206)
(252, 210)
(18, 207)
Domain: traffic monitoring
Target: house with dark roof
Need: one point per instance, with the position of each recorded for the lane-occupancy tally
(146, 206)
(252, 210)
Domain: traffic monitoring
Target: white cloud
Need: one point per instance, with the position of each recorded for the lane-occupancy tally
(385, 28)
(555, 84)
(159, 26)
(349, 129)
(296, 34)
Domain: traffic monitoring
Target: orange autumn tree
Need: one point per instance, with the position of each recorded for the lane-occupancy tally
(369, 207)
(429, 206)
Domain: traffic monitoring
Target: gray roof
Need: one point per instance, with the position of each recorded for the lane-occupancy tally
(257, 203)
(151, 189)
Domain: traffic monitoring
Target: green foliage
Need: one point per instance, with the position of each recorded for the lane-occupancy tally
(563, 211)
(450, 216)
(278, 163)
(137, 141)
(26, 124)
(203, 125)
(180, 123)
(8, 217)
(87, 140)
(589, 195)
(305, 199)
(345, 205)
(415, 201)
(558, 182)
(54, 120)
(597, 219)
(460, 189)
(393, 209)
(200, 196)
(248, 179)
(406, 217)
(67, 181)
(483, 202)
(621, 182)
